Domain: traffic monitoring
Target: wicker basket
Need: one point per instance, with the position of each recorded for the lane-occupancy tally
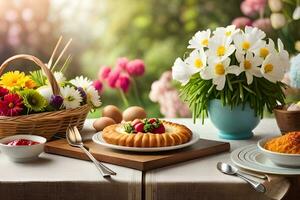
(45, 124)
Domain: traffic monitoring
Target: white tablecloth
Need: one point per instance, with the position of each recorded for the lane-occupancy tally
(199, 178)
(61, 178)
(56, 177)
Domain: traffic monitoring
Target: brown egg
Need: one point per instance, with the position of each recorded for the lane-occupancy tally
(134, 112)
(102, 122)
(112, 112)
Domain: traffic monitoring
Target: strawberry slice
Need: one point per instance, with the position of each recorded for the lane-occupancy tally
(152, 120)
(160, 129)
(139, 127)
(135, 122)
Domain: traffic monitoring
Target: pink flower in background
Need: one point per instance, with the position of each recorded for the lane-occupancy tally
(247, 9)
(136, 67)
(104, 72)
(251, 7)
(263, 24)
(98, 85)
(241, 22)
(123, 82)
(112, 78)
(122, 63)
(168, 98)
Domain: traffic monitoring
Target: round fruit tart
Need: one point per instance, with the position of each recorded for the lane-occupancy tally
(147, 133)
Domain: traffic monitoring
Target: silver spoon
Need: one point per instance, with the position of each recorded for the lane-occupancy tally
(74, 139)
(231, 170)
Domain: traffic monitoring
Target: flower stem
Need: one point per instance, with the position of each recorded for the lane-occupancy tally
(136, 92)
(125, 101)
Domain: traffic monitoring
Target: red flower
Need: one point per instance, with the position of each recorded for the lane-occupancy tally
(98, 85)
(136, 67)
(3, 92)
(123, 82)
(113, 77)
(104, 73)
(11, 105)
(122, 63)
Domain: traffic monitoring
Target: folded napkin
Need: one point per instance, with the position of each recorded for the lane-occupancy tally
(276, 186)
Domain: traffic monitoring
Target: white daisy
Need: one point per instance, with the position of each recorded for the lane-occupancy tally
(249, 64)
(228, 31)
(60, 77)
(82, 82)
(283, 55)
(218, 71)
(196, 60)
(181, 71)
(220, 47)
(71, 96)
(93, 97)
(272, 69)
(200, 40)
(265, 49)
(250, 40)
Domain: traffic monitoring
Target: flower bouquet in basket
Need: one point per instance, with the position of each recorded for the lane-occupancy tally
(232, 75)
(43, 102)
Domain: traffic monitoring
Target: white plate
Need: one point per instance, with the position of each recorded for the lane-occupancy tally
(251, 158)
(97, 138)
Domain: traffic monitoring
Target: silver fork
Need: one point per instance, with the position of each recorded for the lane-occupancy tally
(74, 139)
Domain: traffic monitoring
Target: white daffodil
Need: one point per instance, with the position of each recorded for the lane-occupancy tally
(249, 64)
(181, 71)
(93, 97)
(283, 55)
(196, 61)
(250, 40)
(220, 47)
(71, 96)
(200, 40)
(218, 71)
(228, 31)
(265, 49)
(271, 68)
(82, 82)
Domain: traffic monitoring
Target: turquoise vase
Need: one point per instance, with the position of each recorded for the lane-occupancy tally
(233, 124)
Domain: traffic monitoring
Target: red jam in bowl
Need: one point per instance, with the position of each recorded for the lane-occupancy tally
(22, 142)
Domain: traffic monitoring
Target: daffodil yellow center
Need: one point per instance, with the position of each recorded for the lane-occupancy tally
(228, 33)
(11, 105)
(198, 63)
(263, 52)
(246, 45)
(204, 42)
(221, 50)
(219, 69)
(247, 64)
(268, 68)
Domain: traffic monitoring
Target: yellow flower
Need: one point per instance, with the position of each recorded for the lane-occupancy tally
(12, 79)
(16, 79)
(29, 83)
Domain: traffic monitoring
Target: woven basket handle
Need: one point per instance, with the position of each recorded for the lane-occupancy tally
(38, 62)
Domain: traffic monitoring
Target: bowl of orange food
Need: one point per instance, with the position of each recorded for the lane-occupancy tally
(282, 150)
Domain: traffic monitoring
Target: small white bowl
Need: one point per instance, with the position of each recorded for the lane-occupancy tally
(22, 153)
(281, 159)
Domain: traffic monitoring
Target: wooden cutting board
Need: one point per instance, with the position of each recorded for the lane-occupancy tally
(140, 161)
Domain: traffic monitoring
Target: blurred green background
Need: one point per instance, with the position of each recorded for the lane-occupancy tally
(156, 31)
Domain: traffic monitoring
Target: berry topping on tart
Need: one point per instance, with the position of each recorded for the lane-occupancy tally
(152, 125)
(146, 133)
